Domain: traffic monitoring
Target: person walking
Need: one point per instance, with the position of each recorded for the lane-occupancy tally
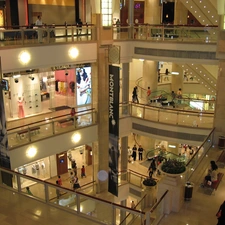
(59, 181)
(221, 214)
(83, 173)
(159, 76)
(39, 24)
(57, 190)
(134, 154)
(135, 95)
(148, 94)
(28, 191)
(179, 95)
(166, 78)
(140, 152)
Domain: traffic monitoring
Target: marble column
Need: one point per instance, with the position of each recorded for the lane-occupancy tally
(181, 13)
(175, 197)
(219, 115)
(124, 156)
(152, 12)
(150, 78)
(177, 80)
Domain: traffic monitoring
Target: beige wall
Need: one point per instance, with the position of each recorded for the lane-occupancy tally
(152, 12)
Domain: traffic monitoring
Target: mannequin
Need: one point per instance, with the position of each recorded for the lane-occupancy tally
(20, 109)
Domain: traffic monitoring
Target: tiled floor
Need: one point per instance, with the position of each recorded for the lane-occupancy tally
(200, 210)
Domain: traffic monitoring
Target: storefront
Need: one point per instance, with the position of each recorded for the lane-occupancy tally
(33, 92)
(54, 165)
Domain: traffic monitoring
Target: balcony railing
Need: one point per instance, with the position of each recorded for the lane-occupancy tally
(178, 117)
(176, 33)
(53, 34)
(49, 127)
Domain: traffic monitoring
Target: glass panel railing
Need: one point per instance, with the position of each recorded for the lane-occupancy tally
(50, 126)
(173, 116)
(136, 178)
(199, 155)
(49, 33)
(166, 33)
(157, 211)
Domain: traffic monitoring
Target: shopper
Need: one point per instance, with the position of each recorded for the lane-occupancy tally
(221, 214)
(57, 190)
(166, 75)
(83, 174)
(140, 152)
(159, 75)
(76, 184)
(28, 191)
(59, 181)
(134, 153)
(179, 95)
(39, 24)
(132, 205)
(148, 94)
(212, 174)
(135, 95)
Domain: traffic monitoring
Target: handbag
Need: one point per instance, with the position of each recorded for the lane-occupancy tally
(218, 215)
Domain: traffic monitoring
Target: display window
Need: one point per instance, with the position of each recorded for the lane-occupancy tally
(39, 169)
(62, 88)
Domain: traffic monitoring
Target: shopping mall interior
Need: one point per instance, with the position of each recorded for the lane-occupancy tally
(97, 101)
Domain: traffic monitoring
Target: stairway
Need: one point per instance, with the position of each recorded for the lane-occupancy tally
(201, 75)
(204, 11)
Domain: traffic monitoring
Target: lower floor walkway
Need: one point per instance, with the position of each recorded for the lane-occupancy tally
(200, 210)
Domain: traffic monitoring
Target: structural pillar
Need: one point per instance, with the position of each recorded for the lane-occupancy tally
(177, 80)
(150, 77)
(219, 118)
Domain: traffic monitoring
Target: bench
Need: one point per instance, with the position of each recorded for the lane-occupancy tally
(213, 187)
(67, 120)
(25, 131)
(221, 160)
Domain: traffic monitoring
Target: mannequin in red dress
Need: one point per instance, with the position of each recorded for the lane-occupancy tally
(20, 109)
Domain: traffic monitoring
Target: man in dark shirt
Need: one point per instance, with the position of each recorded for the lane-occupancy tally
(134, 154)
(140, 152)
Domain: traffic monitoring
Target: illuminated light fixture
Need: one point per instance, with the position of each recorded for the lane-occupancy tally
(172, 146)
(24, 57)
(44, 79)
(73, 53)
(76, 137)
(16, 76)
(106, 11)
(175, 73)
(31, 152)
(32, 78)
(141, 60)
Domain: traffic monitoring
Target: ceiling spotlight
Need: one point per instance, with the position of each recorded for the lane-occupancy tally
(16, 80)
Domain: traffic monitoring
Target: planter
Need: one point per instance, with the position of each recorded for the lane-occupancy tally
(149, 182)
(172, 168)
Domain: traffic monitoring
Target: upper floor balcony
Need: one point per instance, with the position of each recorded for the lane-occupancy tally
(58, 34)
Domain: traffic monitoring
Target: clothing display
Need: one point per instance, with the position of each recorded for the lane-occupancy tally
(20, 108)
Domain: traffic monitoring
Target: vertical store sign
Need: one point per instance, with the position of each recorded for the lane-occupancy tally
(113, 129)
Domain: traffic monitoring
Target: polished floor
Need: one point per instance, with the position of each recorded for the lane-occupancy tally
(200, 210)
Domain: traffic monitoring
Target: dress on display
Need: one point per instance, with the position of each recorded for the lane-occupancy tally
(20, 110)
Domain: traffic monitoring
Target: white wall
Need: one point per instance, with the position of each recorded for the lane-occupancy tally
(46, 56)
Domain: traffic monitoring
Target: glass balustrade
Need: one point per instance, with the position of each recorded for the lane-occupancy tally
(198, 155)
(50, 34)
(46, 128)
(166, 33)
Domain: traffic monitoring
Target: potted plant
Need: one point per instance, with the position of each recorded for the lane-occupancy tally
(173, 166)
(149, 181)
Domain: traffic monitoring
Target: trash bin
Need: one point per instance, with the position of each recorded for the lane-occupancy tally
(221, 143)
(188, 191)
